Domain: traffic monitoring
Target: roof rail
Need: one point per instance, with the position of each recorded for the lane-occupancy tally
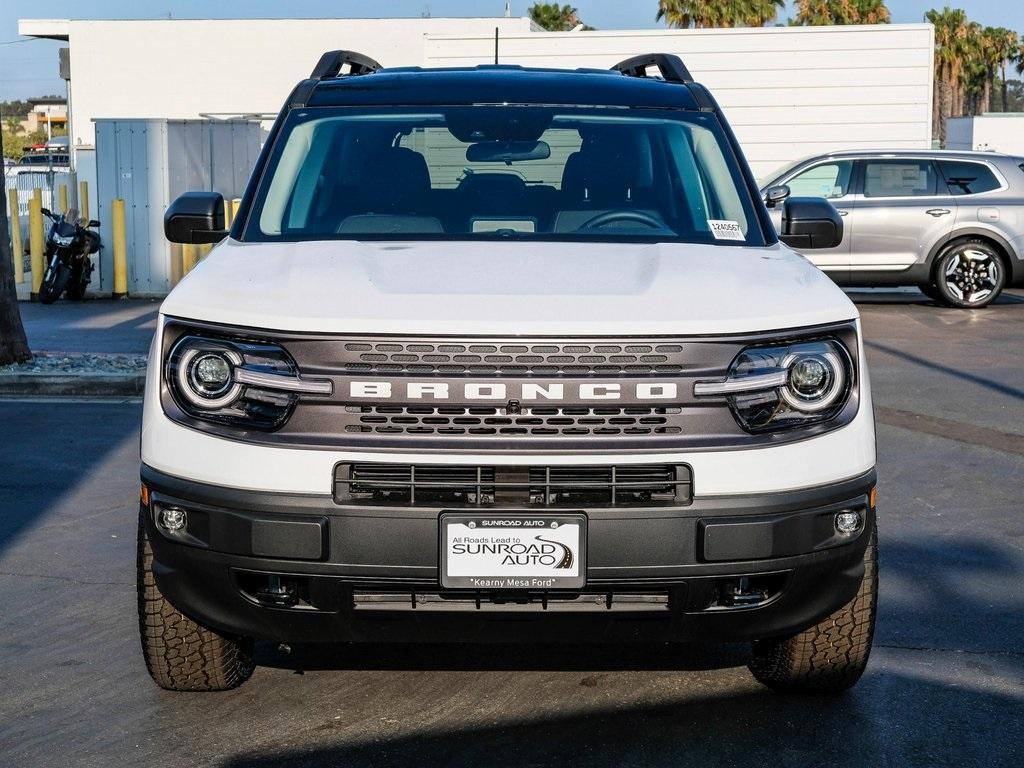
(669, 65)
(331, 63)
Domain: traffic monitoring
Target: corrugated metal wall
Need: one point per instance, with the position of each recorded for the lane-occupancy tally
(150, 162)
(788, 92)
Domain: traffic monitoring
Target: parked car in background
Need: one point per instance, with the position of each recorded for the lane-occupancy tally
(951, 223)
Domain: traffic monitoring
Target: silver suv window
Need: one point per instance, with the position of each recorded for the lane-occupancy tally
(899, 178)
(828, 180)
(966, 178)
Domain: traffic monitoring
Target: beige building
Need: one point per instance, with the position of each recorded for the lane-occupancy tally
(48, 115)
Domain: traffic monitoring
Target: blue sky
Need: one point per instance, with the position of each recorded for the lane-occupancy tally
(30, 68)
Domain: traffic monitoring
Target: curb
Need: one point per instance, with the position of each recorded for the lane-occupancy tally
(73, 385)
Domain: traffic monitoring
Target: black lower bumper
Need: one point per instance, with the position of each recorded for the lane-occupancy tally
(301, 568)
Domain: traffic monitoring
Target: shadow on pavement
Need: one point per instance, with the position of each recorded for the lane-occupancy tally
(46, 453)
(892, 720)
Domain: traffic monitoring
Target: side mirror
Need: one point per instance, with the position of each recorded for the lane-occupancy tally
(775, 195)
(45, 211)
(810, 222)
(196, 218)
(92, 223)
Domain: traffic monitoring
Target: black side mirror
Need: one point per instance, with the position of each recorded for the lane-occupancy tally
(45, 211)
(775, 195)
(196, 217)
(92, 223)
(810, 222)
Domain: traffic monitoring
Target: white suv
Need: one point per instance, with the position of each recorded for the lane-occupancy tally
(498, 353)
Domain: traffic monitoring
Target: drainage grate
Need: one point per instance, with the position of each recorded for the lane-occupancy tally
(536, 486)
(497, 422)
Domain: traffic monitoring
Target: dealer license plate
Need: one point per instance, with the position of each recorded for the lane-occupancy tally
(513, 551)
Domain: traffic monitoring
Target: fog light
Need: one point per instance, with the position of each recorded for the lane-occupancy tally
(848, 522)
(173, 519)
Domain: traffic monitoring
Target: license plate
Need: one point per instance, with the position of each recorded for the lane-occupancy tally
(513, 551)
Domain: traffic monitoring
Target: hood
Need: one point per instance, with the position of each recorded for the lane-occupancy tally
(507, 288)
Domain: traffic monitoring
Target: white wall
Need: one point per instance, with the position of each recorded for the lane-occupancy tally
(178, 69)
(999, 132)
(788, 92)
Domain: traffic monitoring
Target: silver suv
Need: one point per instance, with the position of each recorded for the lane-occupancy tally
(951, 223)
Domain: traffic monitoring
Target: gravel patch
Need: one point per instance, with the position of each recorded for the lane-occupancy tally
(78, 364)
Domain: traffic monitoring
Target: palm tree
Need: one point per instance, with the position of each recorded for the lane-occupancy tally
(1004, 44)
(951, 32)
(822, 12)
(702, 14)
(13, 125)
(554, 17)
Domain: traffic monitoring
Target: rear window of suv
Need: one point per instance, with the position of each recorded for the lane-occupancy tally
(966, 178)
(539, 173)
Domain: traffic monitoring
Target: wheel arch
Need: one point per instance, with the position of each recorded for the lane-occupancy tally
(1011, 259)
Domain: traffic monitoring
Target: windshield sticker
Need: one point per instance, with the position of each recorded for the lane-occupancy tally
(726, 230)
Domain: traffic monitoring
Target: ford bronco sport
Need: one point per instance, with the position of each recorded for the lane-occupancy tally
(499, 353)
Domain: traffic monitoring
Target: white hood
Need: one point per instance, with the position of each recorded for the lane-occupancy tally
(507, 288)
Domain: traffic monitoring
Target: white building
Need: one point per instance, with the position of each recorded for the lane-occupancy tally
(991, 132)
(788, 91)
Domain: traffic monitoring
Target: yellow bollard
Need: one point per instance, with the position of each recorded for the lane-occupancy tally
(62, 197)
(204, 250)
(36, 243)
(227, 214)
(37, 193)
(120, 248)
(18, 250)
(83, 200)
(189, 257)
(235, 205)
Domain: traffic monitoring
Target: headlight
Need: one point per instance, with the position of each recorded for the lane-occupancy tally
(244, 384)
(779, 387)
(63, 242)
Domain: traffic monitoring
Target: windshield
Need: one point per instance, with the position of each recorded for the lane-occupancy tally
(503, 172)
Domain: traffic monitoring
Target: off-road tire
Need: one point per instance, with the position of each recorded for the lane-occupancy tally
(830, 656)
(180, 654)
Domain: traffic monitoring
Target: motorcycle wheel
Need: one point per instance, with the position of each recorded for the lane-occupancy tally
(54, 283)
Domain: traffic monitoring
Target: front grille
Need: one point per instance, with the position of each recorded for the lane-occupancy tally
(486, 421)
(526, 359)
(538, 486)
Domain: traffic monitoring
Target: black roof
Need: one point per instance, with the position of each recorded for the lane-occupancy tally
(502, 84)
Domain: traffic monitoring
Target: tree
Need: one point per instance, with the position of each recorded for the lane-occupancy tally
(822, 12)
(1005, 46)
(554, 17)
(13, 344)
(702, 14)
(951, 32)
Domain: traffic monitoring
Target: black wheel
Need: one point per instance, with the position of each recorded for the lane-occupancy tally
(969, 274)
(181, 654)
(54, 282)
(830, 656)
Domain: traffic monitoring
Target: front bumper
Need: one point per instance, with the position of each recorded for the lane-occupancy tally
(724, 568)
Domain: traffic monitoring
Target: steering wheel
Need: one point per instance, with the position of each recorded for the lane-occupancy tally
(609, 217)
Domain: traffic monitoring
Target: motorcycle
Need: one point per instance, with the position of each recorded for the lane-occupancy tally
(68, 248)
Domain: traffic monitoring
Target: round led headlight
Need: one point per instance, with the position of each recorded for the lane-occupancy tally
(815, 380)
(205, 377)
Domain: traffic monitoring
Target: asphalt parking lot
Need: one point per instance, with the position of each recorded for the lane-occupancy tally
(945, 685)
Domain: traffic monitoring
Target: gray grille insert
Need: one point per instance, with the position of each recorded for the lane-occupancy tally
(533, 486)
(534, 359)
(577, 421)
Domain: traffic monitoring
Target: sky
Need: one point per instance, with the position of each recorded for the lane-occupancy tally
(29, 68)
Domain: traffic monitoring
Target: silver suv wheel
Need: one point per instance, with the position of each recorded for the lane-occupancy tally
(970, 275)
